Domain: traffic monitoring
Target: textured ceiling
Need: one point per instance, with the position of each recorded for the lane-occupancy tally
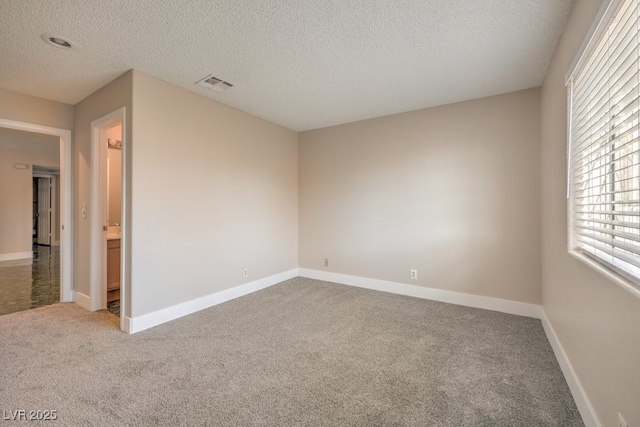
(303, 64)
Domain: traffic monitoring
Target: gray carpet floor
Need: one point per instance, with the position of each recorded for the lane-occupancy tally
(300, 353)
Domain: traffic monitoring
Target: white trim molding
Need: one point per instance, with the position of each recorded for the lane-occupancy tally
(82, 300)
(587, 412)
(16, 255)
(125, 323)
(149, 320)
(468, 300)
(616, 278)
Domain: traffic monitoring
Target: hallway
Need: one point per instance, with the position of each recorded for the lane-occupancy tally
(27, 284)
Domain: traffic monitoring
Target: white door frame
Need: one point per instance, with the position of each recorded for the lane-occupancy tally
(98, 212)
(66, 199)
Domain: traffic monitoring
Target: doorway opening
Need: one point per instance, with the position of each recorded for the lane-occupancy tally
(46, 205)
(108, 225)
(114, 216)
(56, 226)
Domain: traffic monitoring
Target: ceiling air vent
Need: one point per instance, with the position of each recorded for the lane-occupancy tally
(211, 82)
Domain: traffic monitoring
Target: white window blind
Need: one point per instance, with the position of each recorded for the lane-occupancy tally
(604, 146)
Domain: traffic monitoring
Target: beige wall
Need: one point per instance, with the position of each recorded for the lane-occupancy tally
(110, 98)
(214, 191)
(115, 177)
(30, 109)
(451, 191)
(16, 202)
(45, 147)
(597, 322)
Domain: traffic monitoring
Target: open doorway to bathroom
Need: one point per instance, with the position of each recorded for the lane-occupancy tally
(113, 137)
(108, 224)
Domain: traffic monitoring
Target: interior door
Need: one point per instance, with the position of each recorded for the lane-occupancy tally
(44, 211)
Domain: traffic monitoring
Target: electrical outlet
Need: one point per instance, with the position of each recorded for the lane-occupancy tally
(84, 210)
(621, 421)
(326, 262)
(414, 274)
(245, 272)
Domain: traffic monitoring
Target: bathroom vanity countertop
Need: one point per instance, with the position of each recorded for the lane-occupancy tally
(113, 236)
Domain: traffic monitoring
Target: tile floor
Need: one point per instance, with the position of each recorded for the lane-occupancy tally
(27, 284)
(114, 307)
(30, 283)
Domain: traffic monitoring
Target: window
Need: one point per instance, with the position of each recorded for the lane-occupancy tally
(604, 146)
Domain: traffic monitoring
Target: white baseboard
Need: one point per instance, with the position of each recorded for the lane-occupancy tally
(146, 321)
(16, 255)
(587, 412)
(82, 300)
(468, 300)
(512, 307)
(125, 324)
